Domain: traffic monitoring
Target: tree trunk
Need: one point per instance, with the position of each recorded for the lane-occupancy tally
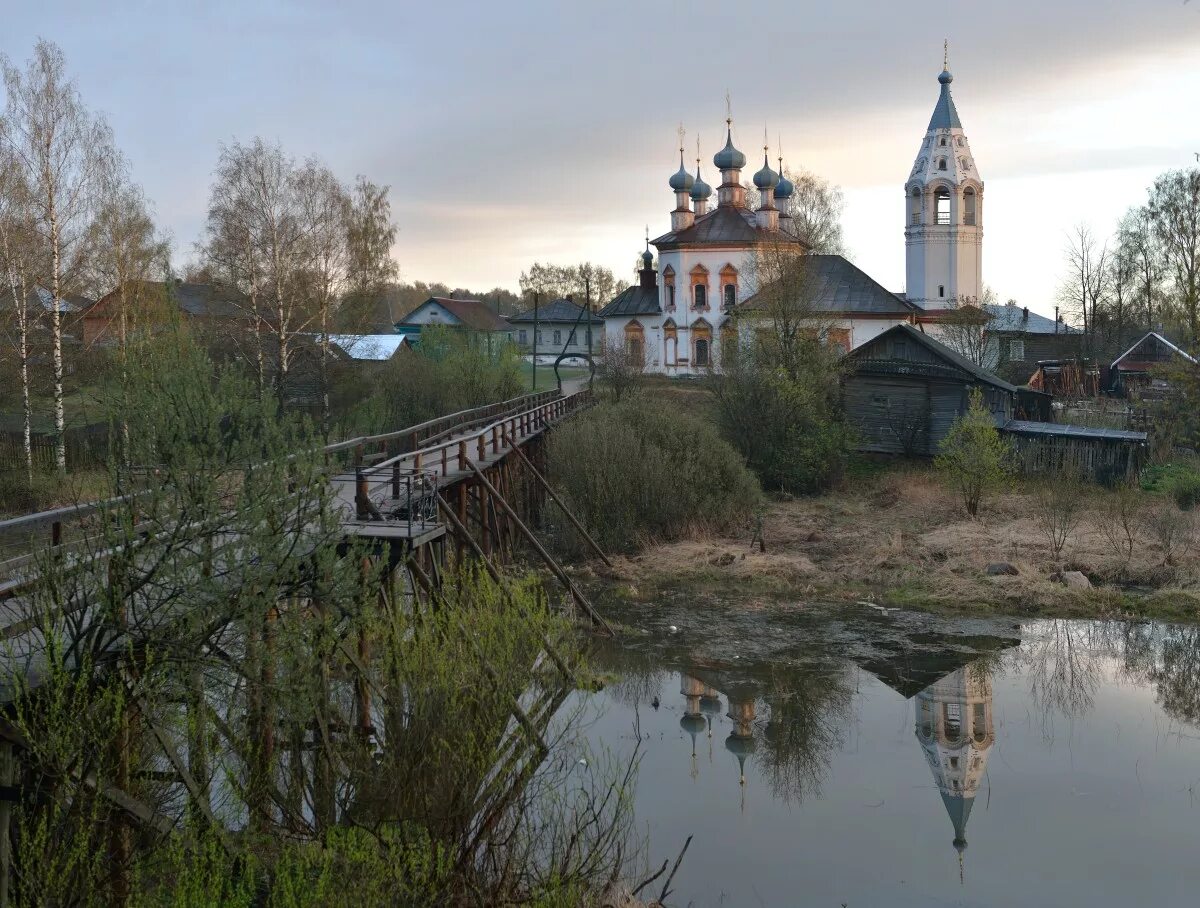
(56, 354)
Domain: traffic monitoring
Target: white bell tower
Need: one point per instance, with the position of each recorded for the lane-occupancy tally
(943, 213)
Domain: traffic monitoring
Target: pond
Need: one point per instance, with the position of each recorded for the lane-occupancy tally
(856, 756)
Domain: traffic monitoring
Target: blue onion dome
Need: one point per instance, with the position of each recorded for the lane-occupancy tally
(647, 259)
(729, 158)
(945, 77)
(785, 187)
(766, 178)
(681, 181)
(701, 191)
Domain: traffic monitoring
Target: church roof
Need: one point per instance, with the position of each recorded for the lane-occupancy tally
(634, 300)
(841, 286)
(945, 116)
(724, 226)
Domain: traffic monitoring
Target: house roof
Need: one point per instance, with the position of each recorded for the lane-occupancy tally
(636, 300)
(194, 299)
(1018, 319)
(560, 310)
(939, 349)
(724, 226)
(841, 286)
(1151, 335)
(375, 347)
(471, 313)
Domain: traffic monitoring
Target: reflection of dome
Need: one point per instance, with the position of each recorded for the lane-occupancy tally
(710, 705)
(693, 724)
(741, 746)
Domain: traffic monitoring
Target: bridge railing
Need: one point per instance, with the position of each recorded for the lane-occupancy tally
(63, 526)
(452, 455)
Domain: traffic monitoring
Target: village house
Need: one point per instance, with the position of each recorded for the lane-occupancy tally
(1017, 340)
(1134, 370)
(470, 317)
(559, 327)
(152, 303)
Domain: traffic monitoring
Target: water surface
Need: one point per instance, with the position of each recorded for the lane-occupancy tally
(861, 757)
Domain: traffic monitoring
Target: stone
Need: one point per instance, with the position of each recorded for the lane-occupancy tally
(1076, 580)
(1002, 569)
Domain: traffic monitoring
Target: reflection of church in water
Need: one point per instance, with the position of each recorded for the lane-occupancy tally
(954, 726)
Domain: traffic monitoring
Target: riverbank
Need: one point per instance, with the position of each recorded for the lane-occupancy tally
(896, 537)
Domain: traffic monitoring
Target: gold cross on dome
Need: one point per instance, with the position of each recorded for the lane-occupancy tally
(682, 132)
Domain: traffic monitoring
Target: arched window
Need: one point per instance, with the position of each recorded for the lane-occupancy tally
(730, 295)
(669, 285)
(969, 207)
(699, 279)
(701, 292)
(941, 206)
(942, 142)
(702, 352)
(941, 163)
(914, 207)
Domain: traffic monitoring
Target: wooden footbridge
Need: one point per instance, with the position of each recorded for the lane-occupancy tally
(473, 480)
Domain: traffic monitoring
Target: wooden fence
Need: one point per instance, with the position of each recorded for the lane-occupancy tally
(87, 446)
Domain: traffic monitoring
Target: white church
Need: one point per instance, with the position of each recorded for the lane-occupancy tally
(678, 317)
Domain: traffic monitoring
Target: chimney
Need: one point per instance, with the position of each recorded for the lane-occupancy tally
(1025, 314)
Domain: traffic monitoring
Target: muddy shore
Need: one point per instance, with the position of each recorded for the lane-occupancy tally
(899, 539)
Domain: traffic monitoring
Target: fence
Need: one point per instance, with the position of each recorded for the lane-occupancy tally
(87, 446)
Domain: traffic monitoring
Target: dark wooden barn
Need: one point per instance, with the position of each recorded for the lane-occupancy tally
(903, 391)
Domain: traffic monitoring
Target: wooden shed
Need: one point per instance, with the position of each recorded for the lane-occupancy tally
(904, 390)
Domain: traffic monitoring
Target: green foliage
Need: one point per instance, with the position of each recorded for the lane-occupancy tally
(973, 458)
(1179, 479)
(785, 421)
(640, 469)
(449, 371)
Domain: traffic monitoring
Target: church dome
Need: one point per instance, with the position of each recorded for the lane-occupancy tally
(681, 180)
(729, 158)
(766, 178)
(945, 77)
(701, 191)
(647, 259)
(785, 188)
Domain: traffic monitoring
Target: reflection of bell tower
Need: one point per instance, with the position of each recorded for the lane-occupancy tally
(954, 726)
(693, 721)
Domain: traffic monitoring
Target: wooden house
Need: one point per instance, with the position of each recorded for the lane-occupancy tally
(903, 391)
(1136, 368)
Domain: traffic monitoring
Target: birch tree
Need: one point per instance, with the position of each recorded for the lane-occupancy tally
(14, 259)
(1138, 245)
(1175, 211)
(62, 153)
(1086, 283)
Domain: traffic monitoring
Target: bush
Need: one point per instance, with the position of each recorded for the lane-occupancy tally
(448, 372)
(639, 470)
(974, 459)
(787, 427)
(1179, 479)
(1058, 509)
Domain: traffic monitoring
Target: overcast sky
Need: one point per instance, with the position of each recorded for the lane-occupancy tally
(522, 131)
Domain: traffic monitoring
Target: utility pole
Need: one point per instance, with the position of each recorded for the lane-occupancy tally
(587, 292)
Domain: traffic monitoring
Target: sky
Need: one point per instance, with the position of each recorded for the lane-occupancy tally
(546, 131)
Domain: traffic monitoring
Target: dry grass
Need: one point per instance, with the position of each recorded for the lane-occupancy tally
(900, 538)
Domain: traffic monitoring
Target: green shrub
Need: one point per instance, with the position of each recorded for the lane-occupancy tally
(1179, 479)
(973, 458)
(642, 470)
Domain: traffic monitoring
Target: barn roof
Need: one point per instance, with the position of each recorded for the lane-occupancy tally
(940, 350)
(1025, 427)
(1147, 340)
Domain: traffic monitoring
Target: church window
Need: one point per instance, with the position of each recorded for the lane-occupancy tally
(942, 142)
(969, 207)
(701, 353)
(701, 296)
(978, 725)
(941, 202)
(730, 295)
(635, 349)
(941, 163)
(959, 142)
(669, 283)
(941, 290)
(914, 206)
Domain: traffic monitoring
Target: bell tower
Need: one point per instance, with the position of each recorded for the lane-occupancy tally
(943, 212)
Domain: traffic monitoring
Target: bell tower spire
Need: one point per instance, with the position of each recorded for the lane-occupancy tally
(943, 214)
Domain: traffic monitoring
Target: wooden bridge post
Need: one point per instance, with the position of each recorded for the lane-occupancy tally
(7, 780)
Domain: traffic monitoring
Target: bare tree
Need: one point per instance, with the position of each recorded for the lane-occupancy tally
(559, 281)
(62, 153)
(622, 367)
(1084, 288)
(816, 210)
(1175, 211)
(964, 330)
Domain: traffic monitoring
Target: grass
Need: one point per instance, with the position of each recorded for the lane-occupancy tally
(545, 376)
